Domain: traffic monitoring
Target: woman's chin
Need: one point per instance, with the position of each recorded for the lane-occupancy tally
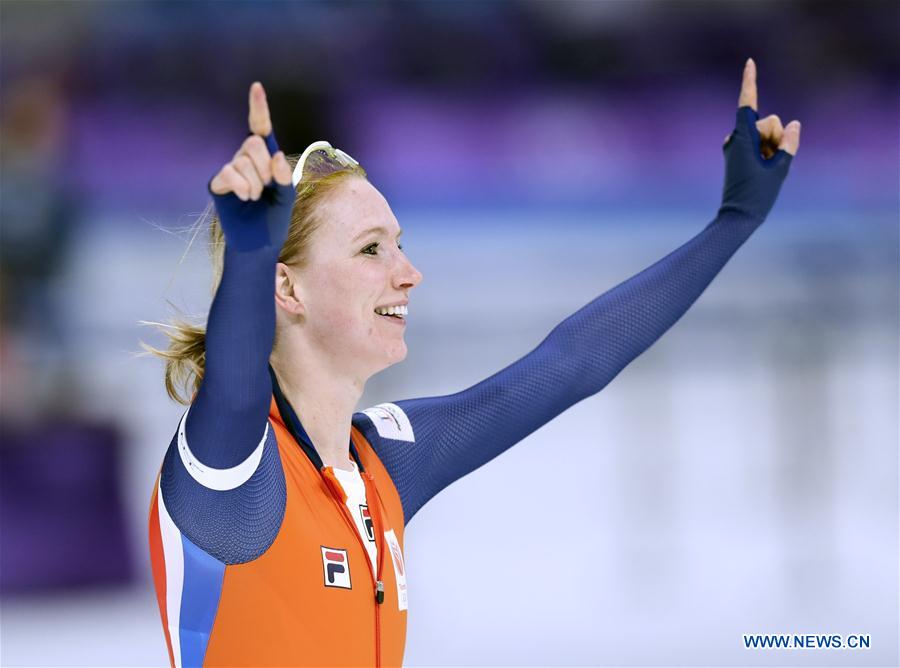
(396, 354)
(384, 359)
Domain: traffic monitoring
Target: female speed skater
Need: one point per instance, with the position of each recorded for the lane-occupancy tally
(277, 519)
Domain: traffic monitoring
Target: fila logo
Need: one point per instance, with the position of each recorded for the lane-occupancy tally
(367, 522)
(336, 567)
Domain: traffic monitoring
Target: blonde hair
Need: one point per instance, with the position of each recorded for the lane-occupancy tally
(185, 357)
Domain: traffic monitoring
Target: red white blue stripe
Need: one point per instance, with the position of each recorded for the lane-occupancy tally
(193, 589)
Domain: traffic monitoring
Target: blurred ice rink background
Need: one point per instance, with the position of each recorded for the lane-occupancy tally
(739, 477)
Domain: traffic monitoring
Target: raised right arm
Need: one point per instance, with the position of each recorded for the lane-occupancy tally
(222, 480)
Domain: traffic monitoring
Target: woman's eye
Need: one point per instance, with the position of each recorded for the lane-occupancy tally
(372, 249)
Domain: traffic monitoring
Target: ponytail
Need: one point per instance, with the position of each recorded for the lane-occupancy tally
(185, 357)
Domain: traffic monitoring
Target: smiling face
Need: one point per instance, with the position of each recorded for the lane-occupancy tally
(353, 270)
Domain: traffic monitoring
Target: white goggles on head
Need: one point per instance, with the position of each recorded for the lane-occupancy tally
(331, 155)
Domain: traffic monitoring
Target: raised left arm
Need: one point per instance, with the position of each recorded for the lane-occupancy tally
(428, 443)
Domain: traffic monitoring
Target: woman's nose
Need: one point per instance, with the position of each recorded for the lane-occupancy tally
(407, 275)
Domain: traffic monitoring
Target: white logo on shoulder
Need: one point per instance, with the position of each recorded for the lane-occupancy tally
(399, 568)
(391, 422)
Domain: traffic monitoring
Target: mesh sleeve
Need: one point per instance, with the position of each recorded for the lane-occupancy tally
(227, 420)
(457, 433)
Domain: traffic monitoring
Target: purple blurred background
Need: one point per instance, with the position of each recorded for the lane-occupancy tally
(740, 477)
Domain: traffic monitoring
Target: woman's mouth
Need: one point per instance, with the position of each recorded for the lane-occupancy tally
(396, 314)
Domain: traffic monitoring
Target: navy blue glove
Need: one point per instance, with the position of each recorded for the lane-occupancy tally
(751, 181)
(253, 224)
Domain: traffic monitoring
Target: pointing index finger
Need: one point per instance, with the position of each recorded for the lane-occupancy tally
(259, 119)
(748, 86)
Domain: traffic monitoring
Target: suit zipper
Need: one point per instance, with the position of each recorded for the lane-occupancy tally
(338, 494)
(374, 503)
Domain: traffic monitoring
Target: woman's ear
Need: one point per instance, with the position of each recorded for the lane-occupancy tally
(287, 289)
